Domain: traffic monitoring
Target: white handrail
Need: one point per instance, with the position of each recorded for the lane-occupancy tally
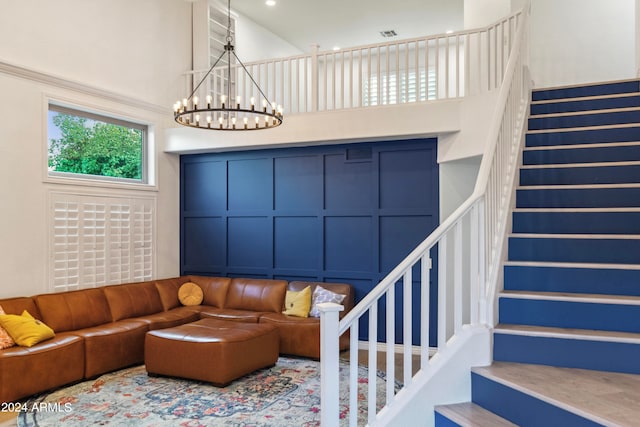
(471, 237)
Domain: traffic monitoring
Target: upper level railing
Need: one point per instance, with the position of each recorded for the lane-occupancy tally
(415, 70)
(469, 250)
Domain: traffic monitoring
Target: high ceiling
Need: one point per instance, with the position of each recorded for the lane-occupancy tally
(347, 23)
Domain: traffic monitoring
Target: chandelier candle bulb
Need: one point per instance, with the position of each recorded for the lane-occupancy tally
(238, 102)
(209, 122)
(223, 99)
(197, 119)
(264, 105)
(253, 103)
(246, 121)
(195, 102)
(208, 98)
(220, 119)
(233, 122)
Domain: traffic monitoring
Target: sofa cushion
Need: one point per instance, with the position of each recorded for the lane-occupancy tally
(298, 303)
(25, 330)
(214, 289)
(168, 319)
(168, 290)
(256, 295)
(133, 300)
(190, 294)
(47, 365)
(112, 346)
(244, 316)
(69, 311)
(20, 304)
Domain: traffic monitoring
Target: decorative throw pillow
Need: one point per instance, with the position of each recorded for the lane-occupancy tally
(190, 294)
(25, 330)
(321, 295)
(5, 339)
(298, 303)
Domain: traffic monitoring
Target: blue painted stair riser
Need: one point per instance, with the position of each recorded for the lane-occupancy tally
(586, 90)
(570, 106)
(583, 136)
(622, 174)
(547, 278)
(567, 353)
(585, 119)
(603, 222)
(614, 153)
(619, 197)
(585, 250)
(442, 421)
(570, 314)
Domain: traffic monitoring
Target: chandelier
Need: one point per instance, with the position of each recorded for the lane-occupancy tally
(223, 113)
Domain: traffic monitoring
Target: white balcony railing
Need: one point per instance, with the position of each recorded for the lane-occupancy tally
(469, 248)
(416, 70)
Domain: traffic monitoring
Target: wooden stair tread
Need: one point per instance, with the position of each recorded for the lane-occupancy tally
(551, 332)
(608, 398)
(469, 414)
(572, 297)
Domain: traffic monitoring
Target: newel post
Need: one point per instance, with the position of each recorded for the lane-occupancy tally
(329, 364)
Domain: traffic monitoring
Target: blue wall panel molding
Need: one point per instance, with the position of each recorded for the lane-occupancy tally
(335, 213)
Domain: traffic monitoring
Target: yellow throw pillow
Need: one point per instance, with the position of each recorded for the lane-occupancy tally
(5, 339)
(298, 303)
(190, 294)
(25, 330)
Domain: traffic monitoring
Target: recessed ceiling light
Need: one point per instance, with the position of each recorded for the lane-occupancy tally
(270, 2)
(449, 31)
(336, 48)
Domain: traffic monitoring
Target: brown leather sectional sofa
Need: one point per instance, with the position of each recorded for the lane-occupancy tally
(103, 329)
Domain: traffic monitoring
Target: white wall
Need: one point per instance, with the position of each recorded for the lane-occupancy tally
(578, 41)
(480, 13)
(106, 54)
(254, 43)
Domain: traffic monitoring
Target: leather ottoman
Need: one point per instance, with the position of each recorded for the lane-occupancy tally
(211, 350)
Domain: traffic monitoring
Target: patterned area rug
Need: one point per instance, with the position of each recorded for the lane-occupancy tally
(287, 394)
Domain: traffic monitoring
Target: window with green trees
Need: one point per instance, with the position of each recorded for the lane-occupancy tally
(95, 146)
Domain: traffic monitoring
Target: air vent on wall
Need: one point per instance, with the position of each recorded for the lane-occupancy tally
(388, 33)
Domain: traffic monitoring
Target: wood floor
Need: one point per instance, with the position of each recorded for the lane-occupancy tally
(363, 360)
(8, 419)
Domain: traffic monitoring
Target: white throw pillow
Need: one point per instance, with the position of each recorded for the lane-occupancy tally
(321, 295)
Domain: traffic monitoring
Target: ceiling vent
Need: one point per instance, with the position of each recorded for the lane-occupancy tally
(388, 33)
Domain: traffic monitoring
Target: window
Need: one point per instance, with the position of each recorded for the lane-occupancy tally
(87, 145)
(96, 241)
(408, 87)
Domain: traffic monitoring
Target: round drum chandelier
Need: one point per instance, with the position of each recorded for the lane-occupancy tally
(223, 113)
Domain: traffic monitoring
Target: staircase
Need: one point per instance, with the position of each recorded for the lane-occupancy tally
(566, 350)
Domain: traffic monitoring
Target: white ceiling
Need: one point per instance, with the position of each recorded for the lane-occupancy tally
(347, 23)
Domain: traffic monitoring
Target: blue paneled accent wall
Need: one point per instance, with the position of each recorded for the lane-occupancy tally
(334, 213)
